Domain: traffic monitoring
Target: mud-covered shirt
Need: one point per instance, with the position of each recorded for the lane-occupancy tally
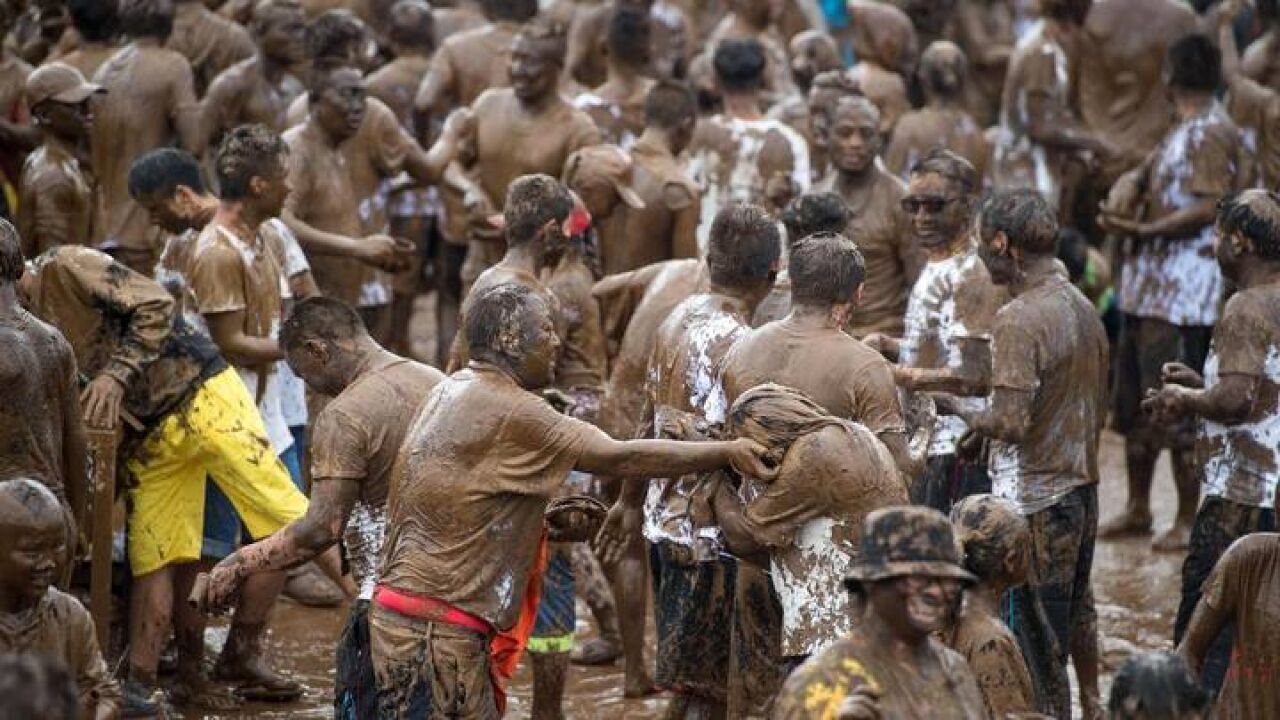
(582, 356)
(953, 300)
(1245, 588)
(358, 437)
(473, 479)
(684, 377)
(1243, 459)
(56, 204)
(209, 41)
(1177, 279)
(921, 131)
(992, 652)
(857, 664)
(810, 520)
(122, 324)
(1256, 109)
(1049, 342)
(60, 628)
(879, 228)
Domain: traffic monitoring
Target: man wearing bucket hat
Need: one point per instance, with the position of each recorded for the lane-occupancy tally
(908, 577)
(56, 192)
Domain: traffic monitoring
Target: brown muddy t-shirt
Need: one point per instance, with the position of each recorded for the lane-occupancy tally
(228, 274)
(1049, 342)
(996, 661)
(880, 230)
(241, 95)
(88, 57)
(470, 63)
(56, 204)
(1245, 587)
(666, 228)
(210, 42)
(150, 92)
(582, 357)
(921, 131)
(358, 437)
(856, 663)
(13, 107)
(848, 379)
(1256, 109)
(476, 472)
(396, 84)
(39, 389)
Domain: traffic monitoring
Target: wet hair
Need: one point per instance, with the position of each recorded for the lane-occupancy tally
(1195, 64)
(322, 75)
(628, 38)
(147, 18)
(739, 65)
(1073, 251)
(855, 103)
(669, 104)
(943, 69)
(744, 245)
(1024, 217)
(37, 685)
(1155, 684)
(412, 25)
(826, 269)
(815, 212)
(835, 81)
(333, 33)
(95, 20)
(320, 318)
(493, 312)
(265, 9)
(12, 263)
(511, 10)
(161, 171)
(988, 529)
(957, 171)
(32, 496)
(247, 152)
(550, 38)
(1254, 214)
(533, 201)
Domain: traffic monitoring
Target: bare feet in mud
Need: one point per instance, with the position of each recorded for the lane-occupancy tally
(1175, 539)
(638, 687)
(198, 693)
(1130, 524)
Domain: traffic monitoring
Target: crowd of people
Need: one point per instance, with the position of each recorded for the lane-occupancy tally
(786, 328)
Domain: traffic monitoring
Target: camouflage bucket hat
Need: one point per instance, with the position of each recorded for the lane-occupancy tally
(907, 540)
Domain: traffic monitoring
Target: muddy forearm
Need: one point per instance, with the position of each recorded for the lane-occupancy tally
(1004, 416)
(319, 242)
(1229, 401)
(956, 382)
(644, 459)
(908, 464)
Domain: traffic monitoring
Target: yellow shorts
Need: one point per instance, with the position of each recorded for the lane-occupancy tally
(219, 435)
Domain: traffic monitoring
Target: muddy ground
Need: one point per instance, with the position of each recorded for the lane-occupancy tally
(1136, 589)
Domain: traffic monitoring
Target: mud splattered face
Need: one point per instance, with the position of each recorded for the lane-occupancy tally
(313, 362)
(938, 213)
(340, 107)
(534, 71)
(1227, 249)
(169, 213)
(853, 139)
(282, 32)
(534, 355)
(30, 548)
(68, 120)
(925, 602)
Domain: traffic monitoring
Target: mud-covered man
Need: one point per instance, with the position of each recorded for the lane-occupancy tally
(947, 345)
(1237, 400)
(1044, 416)
(484, 456)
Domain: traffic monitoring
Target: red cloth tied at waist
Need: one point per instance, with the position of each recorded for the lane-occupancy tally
(505, 648)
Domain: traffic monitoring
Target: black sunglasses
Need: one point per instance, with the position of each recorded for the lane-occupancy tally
(930, 204)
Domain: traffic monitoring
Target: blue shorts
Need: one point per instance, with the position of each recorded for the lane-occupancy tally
(223, 530)
(557, 616)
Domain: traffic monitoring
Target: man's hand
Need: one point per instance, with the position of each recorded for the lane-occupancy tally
(225, 583)
(101, 400)
(1176, 373)
(621, 526)
(1166, 404)
(480, 214)
(385, 252)
(1124, 226)
(751, 459)
(862, 704)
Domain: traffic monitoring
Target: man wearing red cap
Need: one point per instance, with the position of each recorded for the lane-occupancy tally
(56, 192)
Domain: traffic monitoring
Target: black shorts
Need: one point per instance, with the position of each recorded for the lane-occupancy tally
(1146, 344)
(693, 609)
(756, 671)
(946, 480)
(355, 694)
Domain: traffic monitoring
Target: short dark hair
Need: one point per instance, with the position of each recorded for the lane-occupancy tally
(815, 212)
(333, 33)
(320, 318)
(322, 75)
(1025, 218)
(492, 312)
(743, 246)
(1195, 64)
(95, 20)
(943, 68)
(147, 18)
(161, 171)
(532, 201)
(826, 269)
(266, 8)
(36, 685)
(1254, 214)
(1156, 683)
(411, 24)
(550, 38)
(628, 38)
(850, 103)
(246, 152)
(1073, 251)
(950, 166)
(510, 10)
(740, 65)
(12, 264)
(669, 104)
